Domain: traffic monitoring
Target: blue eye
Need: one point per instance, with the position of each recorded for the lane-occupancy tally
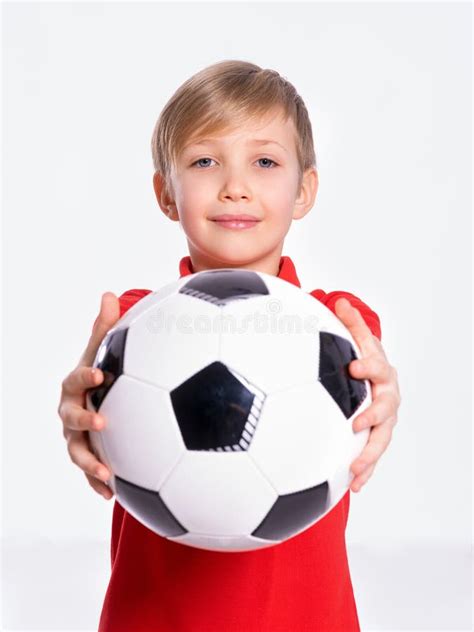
(269, 160)
(201, 159)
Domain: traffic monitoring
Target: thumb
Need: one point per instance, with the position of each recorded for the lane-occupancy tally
(109, 314)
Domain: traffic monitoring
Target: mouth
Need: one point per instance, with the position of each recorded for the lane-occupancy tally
(236, 222)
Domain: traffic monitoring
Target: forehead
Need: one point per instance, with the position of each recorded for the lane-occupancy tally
(272, 129)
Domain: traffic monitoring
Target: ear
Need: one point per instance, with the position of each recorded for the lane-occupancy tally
(307, 194)
(165, 200)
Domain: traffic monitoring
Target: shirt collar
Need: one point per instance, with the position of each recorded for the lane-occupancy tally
(287, 270)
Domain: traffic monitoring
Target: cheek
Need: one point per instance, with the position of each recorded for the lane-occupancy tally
(279, 204)
(197, 195)
(282, 191)
(193, 216)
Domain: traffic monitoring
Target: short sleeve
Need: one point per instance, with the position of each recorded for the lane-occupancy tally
(127, 299)
(371, 318)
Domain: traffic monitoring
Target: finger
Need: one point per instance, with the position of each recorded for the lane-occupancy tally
(374, 368)
(362, 478)
(382, 409)
(81, 455)
(75, 417)
(109, 314)
(379, 438)
(352, 319)
(100, 488)
(81, 379)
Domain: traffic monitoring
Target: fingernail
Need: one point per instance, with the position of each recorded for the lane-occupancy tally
(98, 423)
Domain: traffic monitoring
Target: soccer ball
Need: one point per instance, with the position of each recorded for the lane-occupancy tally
(229, 407)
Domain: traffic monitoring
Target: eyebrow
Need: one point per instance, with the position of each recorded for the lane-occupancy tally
(255, 141)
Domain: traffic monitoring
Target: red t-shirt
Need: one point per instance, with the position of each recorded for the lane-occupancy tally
(301, 585)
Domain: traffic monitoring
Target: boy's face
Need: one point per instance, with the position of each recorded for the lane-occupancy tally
(233, 174)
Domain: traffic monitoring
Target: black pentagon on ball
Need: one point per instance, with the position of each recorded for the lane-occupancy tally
(225, 285)
(215, 410)
(294, 512)
(111, 364)
(335, 355)
(150, 507)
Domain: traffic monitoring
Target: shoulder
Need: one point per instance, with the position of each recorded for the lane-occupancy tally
(129, 298)
(368, 314)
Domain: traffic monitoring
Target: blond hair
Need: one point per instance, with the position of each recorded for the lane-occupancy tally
(223, 96)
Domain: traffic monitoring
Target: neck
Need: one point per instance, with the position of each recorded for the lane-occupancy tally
(269, 263)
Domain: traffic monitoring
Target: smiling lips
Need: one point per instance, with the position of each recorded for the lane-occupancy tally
(240, 221)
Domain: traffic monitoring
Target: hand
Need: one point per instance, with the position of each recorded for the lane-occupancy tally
(381, 415)
(77, 420)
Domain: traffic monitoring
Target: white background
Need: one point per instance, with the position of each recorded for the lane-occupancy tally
(388, 89)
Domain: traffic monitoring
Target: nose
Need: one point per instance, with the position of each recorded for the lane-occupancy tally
(235, 186)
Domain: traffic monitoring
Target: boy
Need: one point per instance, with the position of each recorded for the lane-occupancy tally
(234, 164)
